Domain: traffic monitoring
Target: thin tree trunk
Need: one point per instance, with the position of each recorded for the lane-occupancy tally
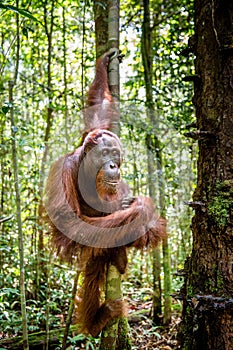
(157, 290)
(70, 312)
(208, 304)
(113, 43)
(115, 334)
(42, 267)
(66, 111)
(19, 219)
(49, 119)
(153, 147)
(167, 313)
(17, 189)
(3, 188)
(112, 292)
(83, 51)
(101, 27)
(42, 270)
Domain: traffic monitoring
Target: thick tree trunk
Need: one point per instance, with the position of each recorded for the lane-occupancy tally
(208, 306)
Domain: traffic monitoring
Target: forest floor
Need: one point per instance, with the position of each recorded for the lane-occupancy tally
(146, 336)
(143, 334)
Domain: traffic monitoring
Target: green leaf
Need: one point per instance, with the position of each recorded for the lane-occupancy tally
(5, 110)
(25, 32)
(22, 12)
(6, 107)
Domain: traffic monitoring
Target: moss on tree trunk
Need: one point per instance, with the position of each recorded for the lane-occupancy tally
(115, 336)
(208, 305)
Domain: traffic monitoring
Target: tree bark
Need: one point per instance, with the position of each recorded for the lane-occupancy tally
(113, 291)
(208, 290)
(101, 27)
(115, 334)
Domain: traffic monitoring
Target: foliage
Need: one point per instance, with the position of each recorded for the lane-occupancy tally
(71, 56)
(221, 203)
(22, 12)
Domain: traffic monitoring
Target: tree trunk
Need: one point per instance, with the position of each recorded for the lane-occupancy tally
(208, 305)
(115, 334)
(153, 148)
(101, 27)
(49, 25)
(25, 345)
(12, 84)
(70, 312)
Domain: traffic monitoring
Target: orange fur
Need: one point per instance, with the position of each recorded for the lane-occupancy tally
(87, 219)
